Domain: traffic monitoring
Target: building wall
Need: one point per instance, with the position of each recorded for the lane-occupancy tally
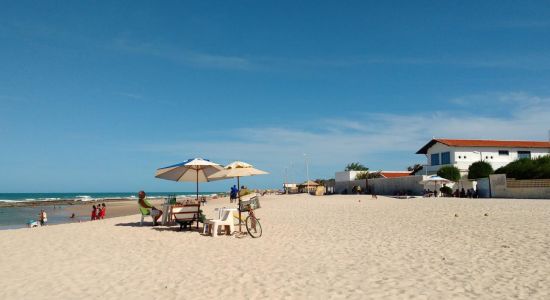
(409, 185)
(500, 188)
(346, 175)
(483, 188)
(341, 187)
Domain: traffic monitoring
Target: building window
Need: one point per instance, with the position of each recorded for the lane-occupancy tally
(445, 158)
(503, 152)
(524, 154)
(435, 159)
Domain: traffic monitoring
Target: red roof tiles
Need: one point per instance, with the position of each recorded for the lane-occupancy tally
(484, 143)
(395, 174)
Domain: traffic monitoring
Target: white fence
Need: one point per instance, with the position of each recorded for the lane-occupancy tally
(408, 185)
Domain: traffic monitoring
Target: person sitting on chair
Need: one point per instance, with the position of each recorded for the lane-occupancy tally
(153, 211)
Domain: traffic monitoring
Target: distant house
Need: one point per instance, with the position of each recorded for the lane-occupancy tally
(463, 153)
(345, 176)
(345, 180)
(311, 185)
(290, 188)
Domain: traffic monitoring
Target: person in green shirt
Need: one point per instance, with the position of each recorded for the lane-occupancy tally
(145, 204)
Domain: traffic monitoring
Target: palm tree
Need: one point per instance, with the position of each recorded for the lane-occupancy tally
(355, 166)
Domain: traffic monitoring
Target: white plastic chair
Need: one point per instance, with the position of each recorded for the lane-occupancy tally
(226, 220)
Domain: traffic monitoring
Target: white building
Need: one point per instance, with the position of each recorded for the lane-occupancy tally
(462, 153)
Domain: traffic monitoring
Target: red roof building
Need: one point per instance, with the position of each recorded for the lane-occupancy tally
(484, 143)
(462, 153)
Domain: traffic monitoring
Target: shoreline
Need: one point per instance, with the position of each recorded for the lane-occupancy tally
(60, 211)
(76, 201)
(59, 202)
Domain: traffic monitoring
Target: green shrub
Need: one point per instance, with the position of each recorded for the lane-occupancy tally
(449, 172)
(525, 168)
(445, 190)
(480, 169)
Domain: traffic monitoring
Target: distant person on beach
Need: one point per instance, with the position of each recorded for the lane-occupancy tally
(43, 217)
(233, 194)
(94, 213)
(103, 211)
(153, 211)
(99, 211)
(72, 216)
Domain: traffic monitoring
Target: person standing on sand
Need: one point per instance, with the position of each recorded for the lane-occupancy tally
(99, 211)
(233, 194)
(103, 211)
(43, 217)
(94, 213)
(153, 211)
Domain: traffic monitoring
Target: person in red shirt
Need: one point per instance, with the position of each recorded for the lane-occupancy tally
(103, 210)
(94, 213)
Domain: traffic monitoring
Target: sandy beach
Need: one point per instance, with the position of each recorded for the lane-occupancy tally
(313, 247)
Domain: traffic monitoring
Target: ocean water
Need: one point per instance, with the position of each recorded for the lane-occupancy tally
(22, 197)
(17, 217)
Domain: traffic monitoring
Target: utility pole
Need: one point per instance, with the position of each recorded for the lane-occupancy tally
(307, 173)
(286, 180)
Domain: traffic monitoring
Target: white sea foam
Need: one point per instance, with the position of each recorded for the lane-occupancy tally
(84, 198)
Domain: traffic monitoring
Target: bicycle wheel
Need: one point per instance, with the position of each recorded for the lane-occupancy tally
(253, 227)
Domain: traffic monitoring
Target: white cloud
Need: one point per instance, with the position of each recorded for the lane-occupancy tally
(184, 56)
(335, 142)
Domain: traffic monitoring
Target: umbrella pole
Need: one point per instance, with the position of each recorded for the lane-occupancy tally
(239, 195)
(199, 210)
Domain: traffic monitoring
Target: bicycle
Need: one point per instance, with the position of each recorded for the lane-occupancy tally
(252, 223)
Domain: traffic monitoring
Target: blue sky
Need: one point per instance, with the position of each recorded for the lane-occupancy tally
(94, 96)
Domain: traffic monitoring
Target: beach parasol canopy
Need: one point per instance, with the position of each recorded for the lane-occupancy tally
(435, 179)
(192, 170)
(238, 169)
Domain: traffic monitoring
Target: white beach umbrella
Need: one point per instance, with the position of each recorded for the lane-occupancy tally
(192, 170)
(435, 179)
(238, 169)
